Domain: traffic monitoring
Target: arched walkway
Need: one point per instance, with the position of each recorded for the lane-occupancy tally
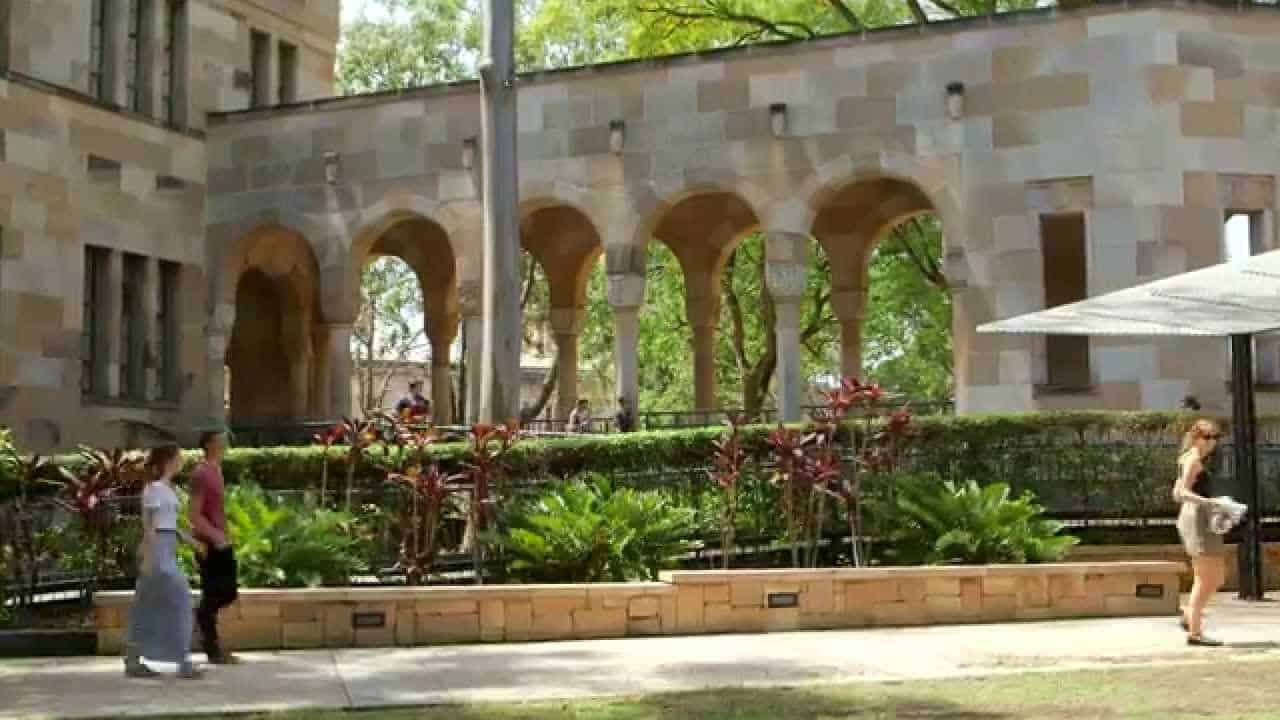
(277, 370)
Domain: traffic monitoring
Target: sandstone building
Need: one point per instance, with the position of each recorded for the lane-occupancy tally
(178, 195)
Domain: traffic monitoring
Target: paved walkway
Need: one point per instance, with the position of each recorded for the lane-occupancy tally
(94, 687)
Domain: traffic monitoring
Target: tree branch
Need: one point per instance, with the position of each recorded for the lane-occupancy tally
(926, 265)
(718, 10)
(549, 383)
(846, 13)
(947, 7)
(918, 12)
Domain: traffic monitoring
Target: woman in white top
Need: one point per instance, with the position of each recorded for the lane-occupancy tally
(161, 619)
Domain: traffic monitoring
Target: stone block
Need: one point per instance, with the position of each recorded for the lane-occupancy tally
(746, 593)
(1000, 585)
(912, 590)
(406, 627)
(1033, 591)
(713, 594)
(111, 641)
(604, 599)
(558, 605)
(338, 632)
(108, 617)
(689, 608)
(947, 608)
(255, 634)
(1110, 585)
(599, 623)
(550, 627)
(643, 607)
(446, 607)
(302, 635)
(493, 620)
(252, 610)
(299, 612)
(1212, 119)
(645, 627)
(942, 587)
(518, 617)
(865, 593)
(818, 598)
(718, 618)
(1066, 586)
(998, 608)
(899, 614)
(384, 636)
(445, 629)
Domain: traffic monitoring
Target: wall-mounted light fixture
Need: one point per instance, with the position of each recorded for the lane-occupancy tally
(955, 100)
(617, 136)
(778, 119)
(332, 167)
(469, 153)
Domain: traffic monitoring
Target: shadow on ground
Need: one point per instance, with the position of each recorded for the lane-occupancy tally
(740, 704)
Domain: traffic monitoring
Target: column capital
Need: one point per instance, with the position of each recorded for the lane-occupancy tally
(568, 320)
(626, 290)
(471, 299)
(786, 281)
(849, 304)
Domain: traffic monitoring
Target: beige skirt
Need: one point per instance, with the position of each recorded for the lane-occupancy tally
(1193, 528)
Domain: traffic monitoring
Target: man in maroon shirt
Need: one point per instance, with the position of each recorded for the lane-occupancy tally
(218, 587)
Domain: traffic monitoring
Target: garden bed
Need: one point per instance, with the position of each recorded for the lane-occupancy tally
(683, 603)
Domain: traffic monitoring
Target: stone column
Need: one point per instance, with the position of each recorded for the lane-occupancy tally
(442, 371)
(626, 295)
(475, 352)
(217, 339)
(704, 313)
(566, 323)
(111, 342)
(850, 307)
(787, 276)
(340, 369)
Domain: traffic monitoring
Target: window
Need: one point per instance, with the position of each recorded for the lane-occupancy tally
(138, 63)
(1065, 281)
(288, 69)
(174, 104)
(98, 85)
(260, 43)
(168, 327)
(133, 329)
(93, 344)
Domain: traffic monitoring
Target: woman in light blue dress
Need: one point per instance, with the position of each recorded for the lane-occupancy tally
(160, 621)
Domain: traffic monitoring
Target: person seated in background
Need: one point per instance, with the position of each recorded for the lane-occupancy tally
(580, 418)
(414, 407)
(624, 419)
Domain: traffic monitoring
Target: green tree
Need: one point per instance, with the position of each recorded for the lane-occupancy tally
(389, 328)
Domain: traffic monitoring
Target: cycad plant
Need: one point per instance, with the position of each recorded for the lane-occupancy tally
(945, 522)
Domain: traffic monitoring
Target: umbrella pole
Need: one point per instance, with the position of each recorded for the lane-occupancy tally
(1244, 430)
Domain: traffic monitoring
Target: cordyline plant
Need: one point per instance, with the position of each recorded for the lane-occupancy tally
(729, 460)
(326, 440)
(791, 476)
(360, 435)
(20, 477)
(483, 469)
(878, 449)
(92, 491)
(427, 490)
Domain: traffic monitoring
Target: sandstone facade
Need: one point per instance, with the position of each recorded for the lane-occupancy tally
(1066, 153)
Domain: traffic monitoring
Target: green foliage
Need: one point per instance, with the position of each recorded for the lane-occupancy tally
(936, 522)
(588, 531)
(291, 544)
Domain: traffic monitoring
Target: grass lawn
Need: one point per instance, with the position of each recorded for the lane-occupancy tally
(1228, 689)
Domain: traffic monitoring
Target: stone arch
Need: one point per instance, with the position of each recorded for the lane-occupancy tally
(427, 247)
(849, 216)
(271, 284)
(564, 240)
(702, 224)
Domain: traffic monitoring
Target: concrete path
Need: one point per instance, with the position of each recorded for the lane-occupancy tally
(94, 687)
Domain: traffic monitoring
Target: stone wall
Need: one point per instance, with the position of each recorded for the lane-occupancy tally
(685, 603)
(1175, 553)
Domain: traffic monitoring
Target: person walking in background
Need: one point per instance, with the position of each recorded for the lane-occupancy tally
(414, 406)
(580, 418)
(160, 619)
(624, 419)
(1195, 491)
(218, 587)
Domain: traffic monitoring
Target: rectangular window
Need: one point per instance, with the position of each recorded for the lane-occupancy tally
(1066, 280)
(174, 105)
(138, 61)
(93, 378)
(167, 372)
(133, 331)
(288, 69)
(98, 86)
(260, 43)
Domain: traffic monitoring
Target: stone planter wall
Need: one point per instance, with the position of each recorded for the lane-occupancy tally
(1175, 553)
(685, 603)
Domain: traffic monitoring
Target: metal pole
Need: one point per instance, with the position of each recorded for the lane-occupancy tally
(500, 366)
(1244, 431)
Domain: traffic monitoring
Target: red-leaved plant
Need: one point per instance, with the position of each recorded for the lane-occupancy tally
(359, 435)
(726, 472)
(485, 467)
(91, 491)
(326, 440)
(426, 491)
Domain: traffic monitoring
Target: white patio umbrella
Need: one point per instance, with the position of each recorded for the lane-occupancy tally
(1238, 299)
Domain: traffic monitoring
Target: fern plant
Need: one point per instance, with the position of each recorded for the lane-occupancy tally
(587, 531)
(945, 522)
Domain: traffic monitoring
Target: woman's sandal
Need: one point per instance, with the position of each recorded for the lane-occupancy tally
(1203, 641)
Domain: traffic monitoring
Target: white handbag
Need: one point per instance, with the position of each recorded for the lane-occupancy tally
(1225, 513)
